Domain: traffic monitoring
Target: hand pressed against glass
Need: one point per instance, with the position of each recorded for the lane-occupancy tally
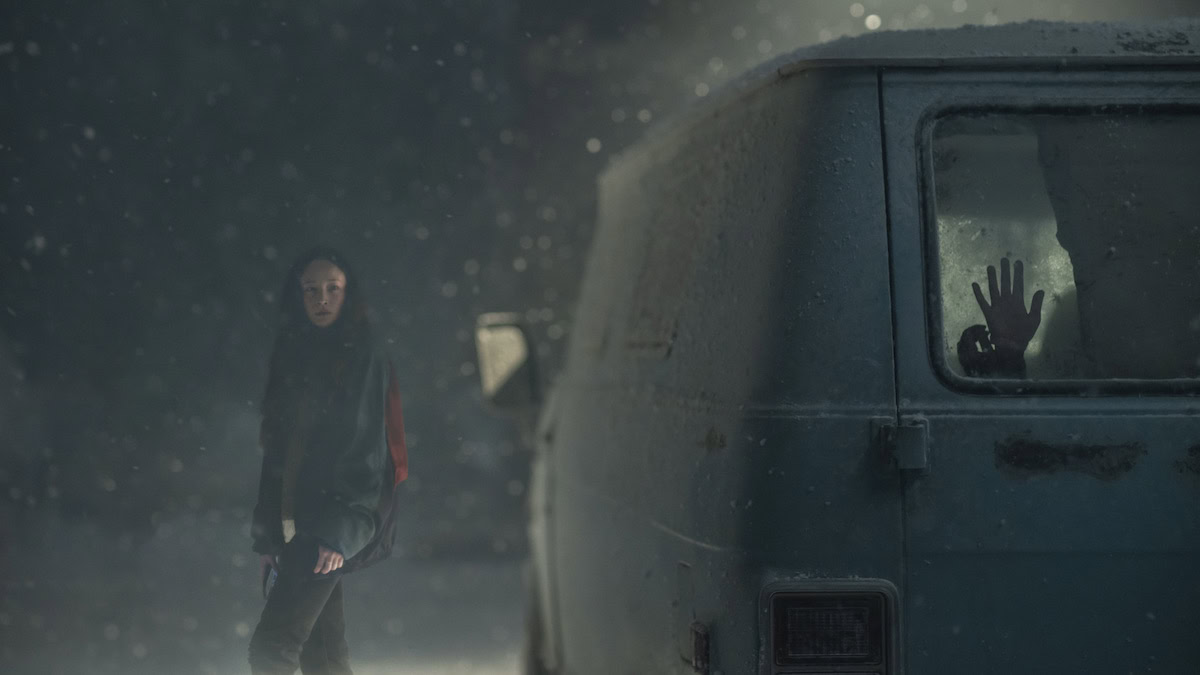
(324, 288)
(1011, 327)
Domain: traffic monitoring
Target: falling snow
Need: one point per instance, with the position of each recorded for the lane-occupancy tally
(161, 171)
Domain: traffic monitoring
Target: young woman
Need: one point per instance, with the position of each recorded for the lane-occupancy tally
(325, 455)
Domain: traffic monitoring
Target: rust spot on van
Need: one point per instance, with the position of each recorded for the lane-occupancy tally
(1022, 457)
(713, 440)
(1192, 463)
(1158, 43)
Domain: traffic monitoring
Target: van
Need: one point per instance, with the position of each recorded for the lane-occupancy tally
(803, 428)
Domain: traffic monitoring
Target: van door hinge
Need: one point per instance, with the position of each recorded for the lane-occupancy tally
(904, 446)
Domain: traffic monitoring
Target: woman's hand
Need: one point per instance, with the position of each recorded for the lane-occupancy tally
(328, 560)
(265, 561)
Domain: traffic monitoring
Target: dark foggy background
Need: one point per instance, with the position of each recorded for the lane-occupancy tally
(162, 162)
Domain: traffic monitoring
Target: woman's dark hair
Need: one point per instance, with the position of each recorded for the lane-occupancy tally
(347, 336)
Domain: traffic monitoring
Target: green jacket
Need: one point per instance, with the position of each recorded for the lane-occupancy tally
(338, 419)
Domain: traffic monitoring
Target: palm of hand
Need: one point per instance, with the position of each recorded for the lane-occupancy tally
(1009, 324)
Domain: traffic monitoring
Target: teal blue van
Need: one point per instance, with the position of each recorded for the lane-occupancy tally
(886, 361)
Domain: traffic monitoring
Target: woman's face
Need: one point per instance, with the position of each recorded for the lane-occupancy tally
(323, 286)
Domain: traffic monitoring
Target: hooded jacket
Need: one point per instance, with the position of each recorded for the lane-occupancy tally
(324, 442)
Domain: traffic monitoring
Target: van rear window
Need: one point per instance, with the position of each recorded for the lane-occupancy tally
(1067, 244)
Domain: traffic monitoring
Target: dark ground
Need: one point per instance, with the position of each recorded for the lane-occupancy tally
(123, 610)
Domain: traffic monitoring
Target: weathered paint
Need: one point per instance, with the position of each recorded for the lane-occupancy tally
(1024, 457)
(1050, 525)
(1191, 464)
(738, 450)
(755, 302)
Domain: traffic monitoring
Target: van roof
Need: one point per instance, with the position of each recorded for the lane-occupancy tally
(1028, 44)
(1035, 41)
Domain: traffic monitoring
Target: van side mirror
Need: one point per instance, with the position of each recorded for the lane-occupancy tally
(506, 368)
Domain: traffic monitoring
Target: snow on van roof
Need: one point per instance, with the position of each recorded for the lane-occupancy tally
(1027, 40)
(1029, 43)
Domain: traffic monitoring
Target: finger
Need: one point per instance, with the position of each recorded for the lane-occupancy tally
(993, 291)
(1005, 278)
(983, 304)
(338, 561)
(1018, 281)
(320, 562)
(1035, 305)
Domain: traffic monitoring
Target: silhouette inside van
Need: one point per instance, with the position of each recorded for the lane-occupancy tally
(1102, 208)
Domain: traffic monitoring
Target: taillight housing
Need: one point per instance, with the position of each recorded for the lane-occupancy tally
(832, 627)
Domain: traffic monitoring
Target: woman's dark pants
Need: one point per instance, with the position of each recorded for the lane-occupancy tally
(301, 625)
